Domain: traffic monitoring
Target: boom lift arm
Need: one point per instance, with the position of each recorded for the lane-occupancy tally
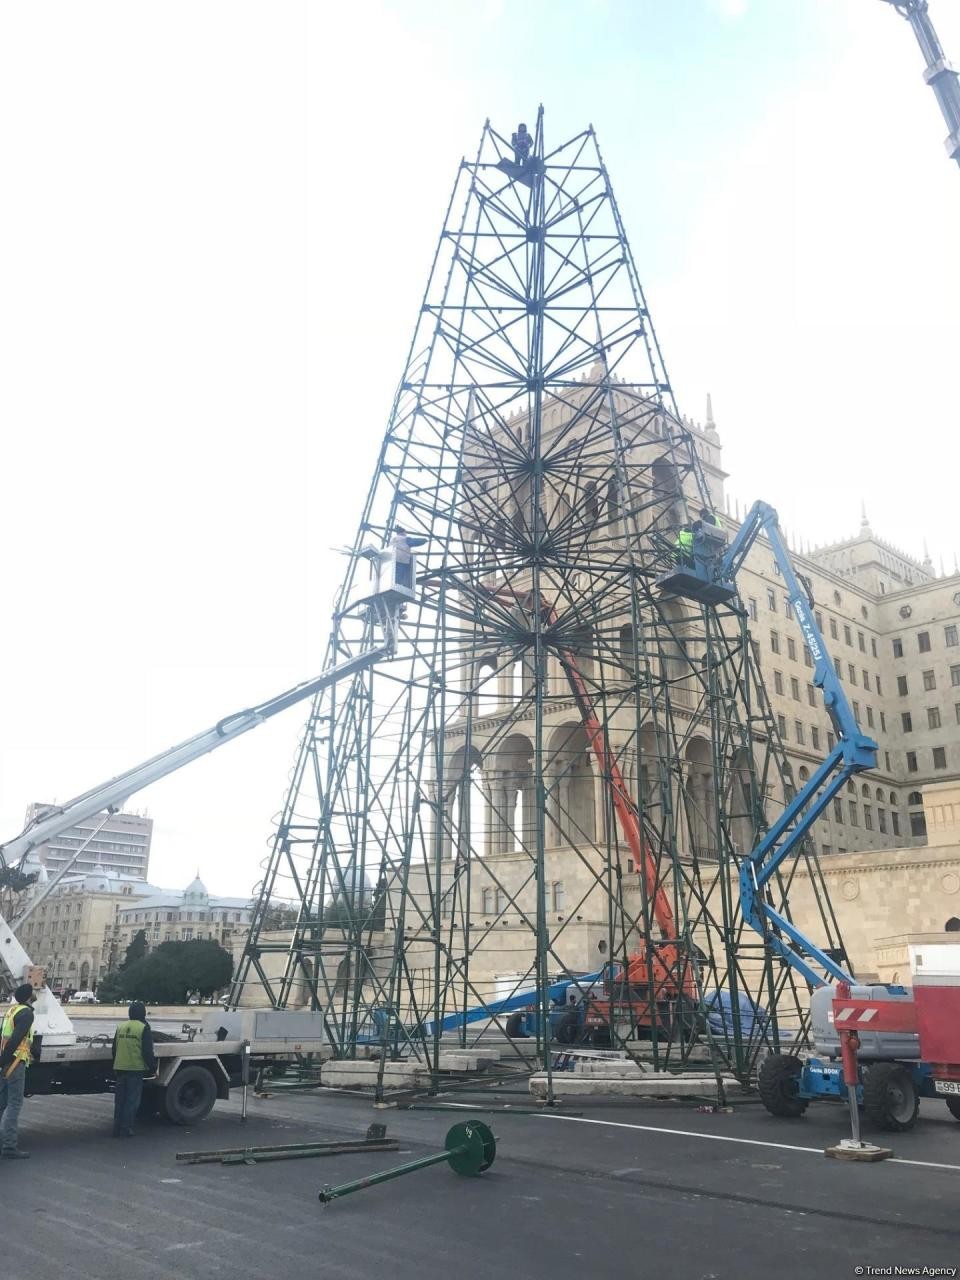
(384, 603)
(852, 753)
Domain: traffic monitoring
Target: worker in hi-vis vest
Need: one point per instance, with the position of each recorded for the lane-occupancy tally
(16, 1050)
(133, 1058)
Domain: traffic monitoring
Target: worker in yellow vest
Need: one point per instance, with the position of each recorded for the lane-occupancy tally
(133, 1058)
(16, 1050)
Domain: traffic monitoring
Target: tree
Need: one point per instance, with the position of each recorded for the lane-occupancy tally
(136, 950)
(174, 969)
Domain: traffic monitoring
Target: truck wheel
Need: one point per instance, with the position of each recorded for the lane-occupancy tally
(779, 1086)
(890, 1097)
(190, 1095)
(953, 1106)
(568, 1030)
(514, 1027)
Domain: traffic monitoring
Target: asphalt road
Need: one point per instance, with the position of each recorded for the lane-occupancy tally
(635, 1190)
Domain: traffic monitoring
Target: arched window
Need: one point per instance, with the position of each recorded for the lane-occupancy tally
(865, 791)
(893, 798)
(591, 502)
(851, 788)
(915, 797)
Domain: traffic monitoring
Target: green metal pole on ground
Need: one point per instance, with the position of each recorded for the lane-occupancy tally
(470, 1149)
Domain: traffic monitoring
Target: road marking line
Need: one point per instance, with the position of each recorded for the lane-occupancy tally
(720, 1137)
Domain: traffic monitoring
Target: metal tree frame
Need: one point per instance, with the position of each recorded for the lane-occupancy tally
(444, 806)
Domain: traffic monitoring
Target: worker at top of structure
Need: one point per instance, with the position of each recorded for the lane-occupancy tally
(133, 1058)
(16, 1050)
(521, 141)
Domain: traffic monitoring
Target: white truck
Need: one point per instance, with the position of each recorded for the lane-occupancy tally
(193, 1072)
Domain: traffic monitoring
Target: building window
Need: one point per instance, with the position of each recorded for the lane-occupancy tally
(778, 682)
(852, 672)
(861, 642)
(831, 741)
(883, 724)
(782, 725)
(775, 641)
(827, 849)
(933, 717)
(902, 686)
(852, 809)
(939, 757)
(187, 935)
(807, 657)
(950, 637)
(559, 896)
(838, 811)
(753, 608)
(866, 678)
(771, 600)
(898, 648)
(870, 716)
(955, 675)
(906, 721)
(488, 902)
(798, 730)
(923, 641)
(791, 649)
(918, 824)
(856, 711)
(815, 737)
(868, 817)
(956, 708)
(895, 821)
(873, 646)
(795, 688)
(501, 901)
(847, 636)
(836, 667)
(911, 762)
(879, 690)
(811, 695)
(833, 629)
(819, 617)
(786, 605)
(929, 680)
(882, 821)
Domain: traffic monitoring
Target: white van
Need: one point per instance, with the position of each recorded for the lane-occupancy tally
(84, 997)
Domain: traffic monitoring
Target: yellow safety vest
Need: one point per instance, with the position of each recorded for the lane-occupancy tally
(685, 540)
(22, 1053)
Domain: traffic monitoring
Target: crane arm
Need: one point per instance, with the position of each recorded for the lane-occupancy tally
(110, 795)
(938, 72)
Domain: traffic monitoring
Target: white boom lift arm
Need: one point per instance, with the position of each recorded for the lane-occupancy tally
(385, 602)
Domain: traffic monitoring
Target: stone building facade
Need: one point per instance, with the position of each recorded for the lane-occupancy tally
(182, 916)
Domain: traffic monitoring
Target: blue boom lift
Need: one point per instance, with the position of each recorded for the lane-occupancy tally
(891, 1077)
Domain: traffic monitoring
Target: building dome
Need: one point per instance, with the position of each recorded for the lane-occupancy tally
(196, 890)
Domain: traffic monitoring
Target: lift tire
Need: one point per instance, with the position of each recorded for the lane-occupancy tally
(190, 1095)
(568, 1030)
(953, 1106)
(514, 1027)
(778, 1083)
(890, 1097)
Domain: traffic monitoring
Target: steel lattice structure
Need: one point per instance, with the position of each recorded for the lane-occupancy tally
(451, 831)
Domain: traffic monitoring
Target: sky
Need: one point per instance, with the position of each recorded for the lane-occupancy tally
(217, 224)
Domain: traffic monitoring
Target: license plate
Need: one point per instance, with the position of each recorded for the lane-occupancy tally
(946, 1086)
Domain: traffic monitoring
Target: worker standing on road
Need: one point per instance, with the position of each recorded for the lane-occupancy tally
(16, 1050)
(133, 1058)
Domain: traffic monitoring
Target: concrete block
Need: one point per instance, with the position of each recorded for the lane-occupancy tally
(649, 1085)
(353, 1075)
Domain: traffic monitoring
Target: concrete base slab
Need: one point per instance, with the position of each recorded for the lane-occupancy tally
(863, 1152)
(569, 1084)
(350, 1075)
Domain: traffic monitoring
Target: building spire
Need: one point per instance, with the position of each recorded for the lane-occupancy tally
(710, 422)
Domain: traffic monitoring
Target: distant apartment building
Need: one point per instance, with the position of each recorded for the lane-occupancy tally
(119, 846)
